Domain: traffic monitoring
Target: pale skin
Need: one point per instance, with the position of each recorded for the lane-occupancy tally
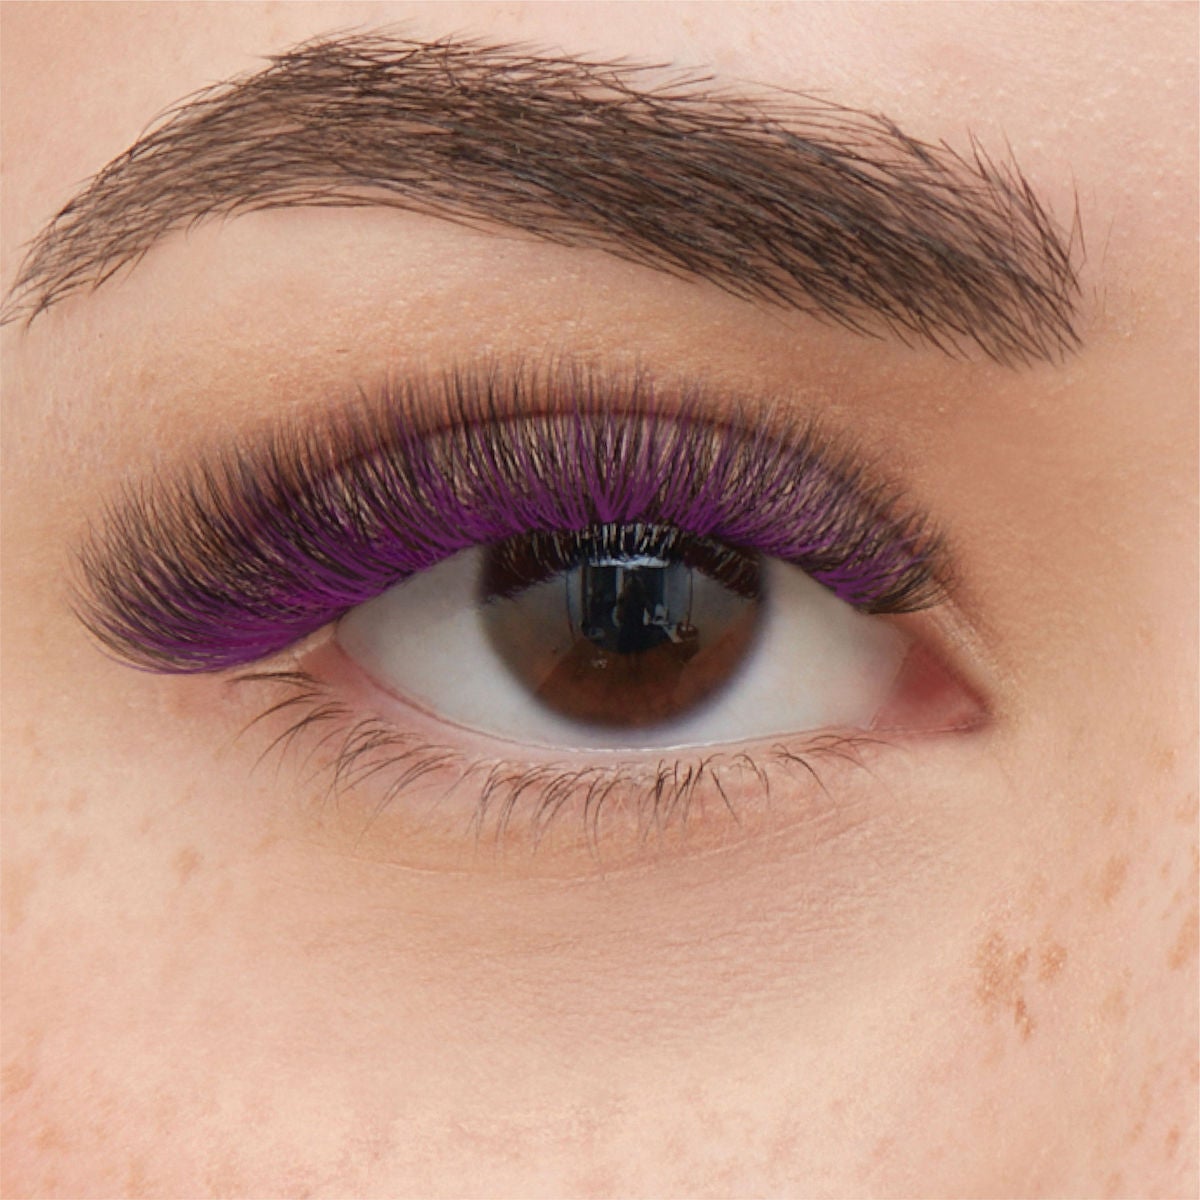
(975, 975)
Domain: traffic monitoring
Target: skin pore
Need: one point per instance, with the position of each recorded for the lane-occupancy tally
(967, 970)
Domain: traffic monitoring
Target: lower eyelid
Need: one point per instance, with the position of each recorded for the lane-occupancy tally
(392, 782)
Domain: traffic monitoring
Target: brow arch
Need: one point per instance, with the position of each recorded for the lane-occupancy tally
(777, 198)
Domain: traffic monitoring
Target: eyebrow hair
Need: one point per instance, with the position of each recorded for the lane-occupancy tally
(777, 198)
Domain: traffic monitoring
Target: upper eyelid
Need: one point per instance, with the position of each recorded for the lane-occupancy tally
(206, 572)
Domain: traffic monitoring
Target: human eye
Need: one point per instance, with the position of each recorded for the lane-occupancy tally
(508, 595)
(625, 636)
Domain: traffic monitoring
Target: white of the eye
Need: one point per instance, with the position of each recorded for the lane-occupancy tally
(817, 664)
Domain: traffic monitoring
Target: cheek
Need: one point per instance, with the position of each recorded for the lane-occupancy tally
(1083, 1001)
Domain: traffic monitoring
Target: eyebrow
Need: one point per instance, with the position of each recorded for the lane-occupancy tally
(774, 197)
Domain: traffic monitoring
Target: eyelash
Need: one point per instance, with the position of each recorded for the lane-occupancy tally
(662, 794)
(261, 547)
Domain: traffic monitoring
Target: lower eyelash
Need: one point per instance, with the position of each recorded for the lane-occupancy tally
(352, 753)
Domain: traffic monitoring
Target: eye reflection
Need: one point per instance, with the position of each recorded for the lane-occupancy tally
(623, 625)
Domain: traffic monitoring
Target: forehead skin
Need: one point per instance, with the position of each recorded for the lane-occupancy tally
(995, 991)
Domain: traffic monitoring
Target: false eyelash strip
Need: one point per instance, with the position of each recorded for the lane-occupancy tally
(262, 544)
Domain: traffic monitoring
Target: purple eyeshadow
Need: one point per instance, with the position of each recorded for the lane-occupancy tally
(257, 547)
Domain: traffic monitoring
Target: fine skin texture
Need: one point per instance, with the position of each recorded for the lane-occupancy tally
(967, 971)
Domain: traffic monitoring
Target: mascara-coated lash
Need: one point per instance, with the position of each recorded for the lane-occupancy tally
(263, 543)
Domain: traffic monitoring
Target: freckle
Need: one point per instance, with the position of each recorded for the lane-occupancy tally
(1114, 1185)
(49, 1138)
(989, 961)
(1172, 1141)
(999, 972)
(1114, 1006)
(1163, 759)
(1053, 958)
(1187, 942)
(883, 1150)
(1112, 878)
(15, 1078)
(186, 862)
(1021, 1018)
(1189, 809)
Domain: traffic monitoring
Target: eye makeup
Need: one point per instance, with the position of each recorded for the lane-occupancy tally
(548, 478)
(260, 545)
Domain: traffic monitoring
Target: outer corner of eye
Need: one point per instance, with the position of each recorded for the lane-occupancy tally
(928, 696)
(675, 642)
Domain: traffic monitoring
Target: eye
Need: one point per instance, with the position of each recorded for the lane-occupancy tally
(625, 636)
(591, 572)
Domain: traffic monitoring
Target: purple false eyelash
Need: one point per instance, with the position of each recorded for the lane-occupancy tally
(262, 545)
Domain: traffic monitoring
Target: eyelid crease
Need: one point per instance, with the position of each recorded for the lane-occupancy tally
(259, 545)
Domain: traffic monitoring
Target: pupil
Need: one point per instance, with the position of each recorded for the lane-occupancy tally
(630, 638)
(632, 607)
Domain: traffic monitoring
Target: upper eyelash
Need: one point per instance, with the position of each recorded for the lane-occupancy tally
(265, 543)
(522, 561)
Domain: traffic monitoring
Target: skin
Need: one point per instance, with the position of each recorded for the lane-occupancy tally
(969, 971)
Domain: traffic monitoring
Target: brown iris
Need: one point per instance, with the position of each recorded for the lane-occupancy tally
(620, 625)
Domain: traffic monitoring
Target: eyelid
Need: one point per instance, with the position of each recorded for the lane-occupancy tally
(402, 784)
(259, 547)
(384, 755)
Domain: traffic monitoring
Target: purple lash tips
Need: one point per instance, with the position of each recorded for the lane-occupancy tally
(256, 548)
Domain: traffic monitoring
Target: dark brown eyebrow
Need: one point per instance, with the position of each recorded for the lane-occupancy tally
(774, 197)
